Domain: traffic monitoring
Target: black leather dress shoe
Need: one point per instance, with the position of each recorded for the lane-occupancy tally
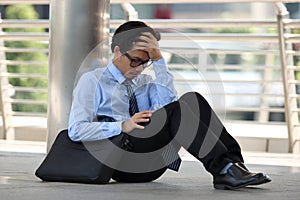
(235, 178)
(261, 180)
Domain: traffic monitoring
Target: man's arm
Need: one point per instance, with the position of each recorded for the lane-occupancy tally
(83, 125)
(163, 92)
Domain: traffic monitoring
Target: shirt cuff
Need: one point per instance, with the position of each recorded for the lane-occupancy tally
(116, 129)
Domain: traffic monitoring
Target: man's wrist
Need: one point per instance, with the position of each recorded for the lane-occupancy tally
(160, 64)
(156, 55)
(157, 58)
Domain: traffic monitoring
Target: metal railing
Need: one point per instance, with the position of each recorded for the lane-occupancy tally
(41, 2)
(271, 77)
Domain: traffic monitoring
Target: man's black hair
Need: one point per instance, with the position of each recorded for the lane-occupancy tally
(128, 33)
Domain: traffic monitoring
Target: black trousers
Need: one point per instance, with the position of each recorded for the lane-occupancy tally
(190, 123)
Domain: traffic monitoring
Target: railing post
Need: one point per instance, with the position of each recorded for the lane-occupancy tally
(76, 28)
(290, 103)
(6, 108)
(130, 12)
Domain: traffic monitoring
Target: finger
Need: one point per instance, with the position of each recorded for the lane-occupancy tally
(146, 38)
(139, 126)
(144, 119)
(144, 45)
(147, 115)
(140, 46)
(147, 42)
(148, 34)
(147, 112)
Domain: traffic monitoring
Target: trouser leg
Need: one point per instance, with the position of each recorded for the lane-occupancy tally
(124, 165)
(191, 123)
(135, 164)
(211, 132)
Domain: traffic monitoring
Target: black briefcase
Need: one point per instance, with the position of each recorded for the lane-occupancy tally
(69, 161)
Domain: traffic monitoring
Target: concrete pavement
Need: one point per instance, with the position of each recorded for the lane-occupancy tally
(17, 181)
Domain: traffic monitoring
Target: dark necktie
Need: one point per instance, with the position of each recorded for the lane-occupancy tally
(133, 106)
(169, 154)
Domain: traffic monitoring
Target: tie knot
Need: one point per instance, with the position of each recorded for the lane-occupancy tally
(128, 82)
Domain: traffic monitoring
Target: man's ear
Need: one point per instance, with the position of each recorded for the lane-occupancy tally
(117, 51)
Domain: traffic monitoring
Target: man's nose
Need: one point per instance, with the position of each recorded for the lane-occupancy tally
(139, 68)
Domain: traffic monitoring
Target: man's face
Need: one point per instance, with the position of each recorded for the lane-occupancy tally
(133, 63)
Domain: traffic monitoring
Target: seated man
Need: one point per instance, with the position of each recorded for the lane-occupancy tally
(148, 114)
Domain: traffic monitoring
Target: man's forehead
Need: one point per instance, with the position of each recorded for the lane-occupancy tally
(136, 49)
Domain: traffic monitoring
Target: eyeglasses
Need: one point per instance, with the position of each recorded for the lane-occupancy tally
(135, 62)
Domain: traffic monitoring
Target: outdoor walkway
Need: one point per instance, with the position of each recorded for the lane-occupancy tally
(17, 181)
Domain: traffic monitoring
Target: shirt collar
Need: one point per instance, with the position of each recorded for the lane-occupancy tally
(118, 75)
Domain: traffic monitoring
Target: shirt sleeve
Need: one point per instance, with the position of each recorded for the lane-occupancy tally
(82, 124)
(163, 91)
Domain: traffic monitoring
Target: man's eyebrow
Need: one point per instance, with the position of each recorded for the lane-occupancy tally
(136, 57)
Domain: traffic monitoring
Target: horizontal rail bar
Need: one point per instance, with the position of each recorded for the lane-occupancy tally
(292, 38)
(199, 50)
(15, 36)
(245, 94)
(221, 37)
(10, 2)
(15, 75)
(17, 23)
(295, 96)
(216, 66)
(23, 50)
(200, 1)
(13, 62)
(291, 23)
(297, 82)
(26, 101)
(243, 109)
(293, 68)
(172, 23)
(264, 95)
(229, 81)
(159, 23)
(292, 52)
(29, 114)
(202, 23)
(26, 89)
(166, 36)
(257, 122)
(41, 2)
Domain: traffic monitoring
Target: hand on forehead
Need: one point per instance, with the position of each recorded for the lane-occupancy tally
(145, 41)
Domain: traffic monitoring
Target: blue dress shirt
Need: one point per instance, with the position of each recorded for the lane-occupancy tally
(102, 92)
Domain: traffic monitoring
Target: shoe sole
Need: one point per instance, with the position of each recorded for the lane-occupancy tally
(261, 181)
(228, 187)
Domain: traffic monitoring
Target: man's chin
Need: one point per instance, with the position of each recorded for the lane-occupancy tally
(132, 76)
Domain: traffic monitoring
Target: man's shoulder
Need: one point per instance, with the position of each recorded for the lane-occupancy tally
(95, 73)
(92, 76)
